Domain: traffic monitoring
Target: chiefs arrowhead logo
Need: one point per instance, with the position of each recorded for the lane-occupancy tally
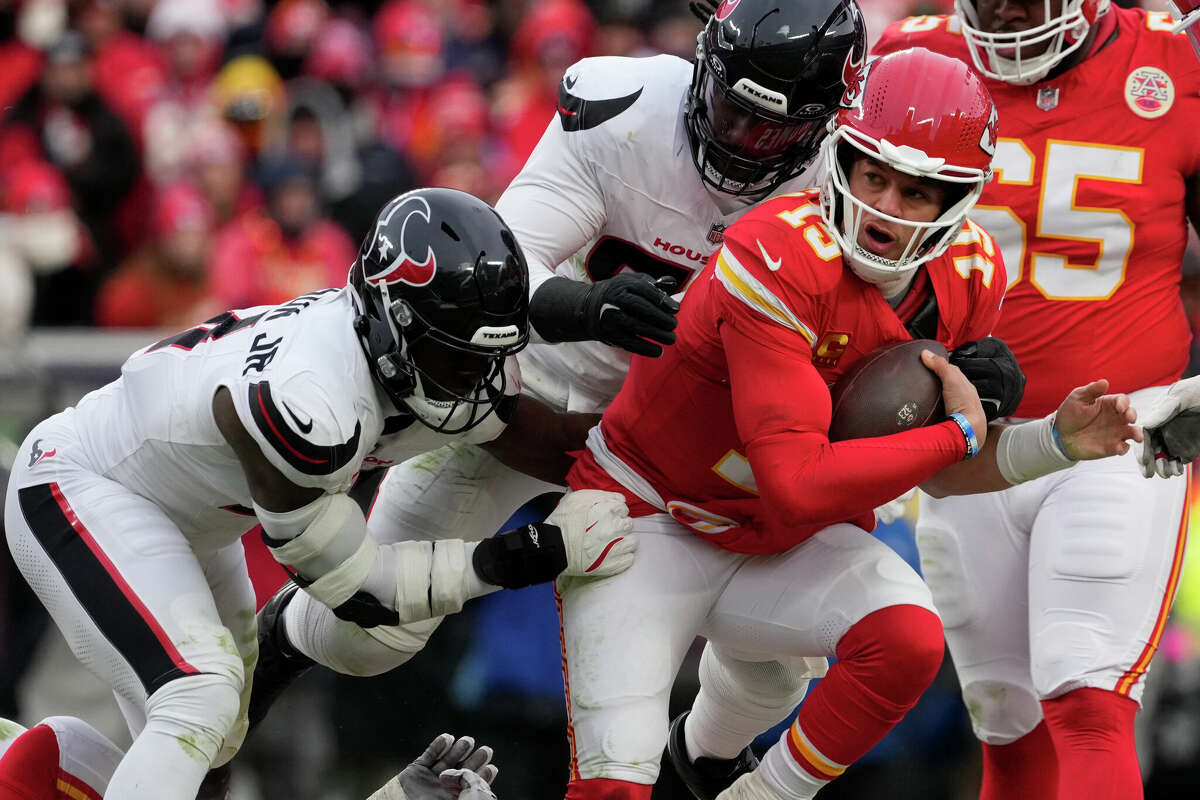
(991, 132)
(855, 78)
(403, 268)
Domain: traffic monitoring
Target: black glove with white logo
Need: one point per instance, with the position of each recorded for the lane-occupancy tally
(629, 310)
(992, 368)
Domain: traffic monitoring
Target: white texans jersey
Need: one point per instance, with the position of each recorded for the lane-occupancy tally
(302, 389)
(612, 186)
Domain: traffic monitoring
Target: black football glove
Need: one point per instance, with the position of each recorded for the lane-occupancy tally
(992, 368)
(629, 310)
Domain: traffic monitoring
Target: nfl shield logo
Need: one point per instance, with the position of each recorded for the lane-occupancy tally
(1047, 99)
(716, 234)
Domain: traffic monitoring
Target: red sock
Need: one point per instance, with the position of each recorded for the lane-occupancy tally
(607, 789)
(885, 661)
(1092, 731)
(1026, 768)
(29, 768)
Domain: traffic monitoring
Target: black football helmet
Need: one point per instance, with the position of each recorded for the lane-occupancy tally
(442, 292)
(767, 78)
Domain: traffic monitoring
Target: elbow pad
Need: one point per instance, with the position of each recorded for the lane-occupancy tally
(325, 543)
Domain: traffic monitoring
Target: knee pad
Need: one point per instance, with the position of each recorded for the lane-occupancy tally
(896, 650)
(1068, 654)
(765, 684)
(1000, 712)
(623, 741)
(199, 710)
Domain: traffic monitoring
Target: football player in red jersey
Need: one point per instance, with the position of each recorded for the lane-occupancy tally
(753, 524)
(1054, 593)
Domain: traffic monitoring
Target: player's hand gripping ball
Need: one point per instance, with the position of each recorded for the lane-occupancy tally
(889, 390)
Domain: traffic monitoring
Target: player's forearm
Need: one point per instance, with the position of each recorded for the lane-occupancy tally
(539, 440)
(1010, 455)
(808, 480)
(979, 474)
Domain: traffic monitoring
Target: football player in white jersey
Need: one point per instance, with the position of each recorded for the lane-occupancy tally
(125, 512)
(642, 168)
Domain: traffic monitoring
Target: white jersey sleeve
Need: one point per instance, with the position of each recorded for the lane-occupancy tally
(556, 204)
(307, 406)
(307, 433)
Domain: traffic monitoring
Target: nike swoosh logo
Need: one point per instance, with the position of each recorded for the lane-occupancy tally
(578, 114)
(570, 80)
(773, 264)
(304, 427)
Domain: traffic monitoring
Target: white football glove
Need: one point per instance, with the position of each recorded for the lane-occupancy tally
(597, 533)
(423, 778)
(468, 785)
(894, 510)
(1171, 440)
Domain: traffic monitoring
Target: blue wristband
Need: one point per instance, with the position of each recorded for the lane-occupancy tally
(1058, 440)
(968, 433)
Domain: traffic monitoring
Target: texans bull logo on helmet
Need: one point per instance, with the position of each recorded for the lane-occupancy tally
(413, 211)
(726, 8)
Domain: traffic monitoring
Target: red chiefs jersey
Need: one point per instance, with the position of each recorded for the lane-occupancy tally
(1088, 204)
(728, 429)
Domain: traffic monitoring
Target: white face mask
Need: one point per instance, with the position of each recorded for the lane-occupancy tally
(476, 422)
(49, 241)
(1064, 31)
(844, 215)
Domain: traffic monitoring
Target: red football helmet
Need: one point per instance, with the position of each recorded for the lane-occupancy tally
(1187, 12)
(1000, 55)
(890, 114)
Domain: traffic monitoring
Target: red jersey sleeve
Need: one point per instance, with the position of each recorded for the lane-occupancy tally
(782, 406)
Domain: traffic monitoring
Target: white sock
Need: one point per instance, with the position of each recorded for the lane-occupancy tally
(161, 766)
(785, 776)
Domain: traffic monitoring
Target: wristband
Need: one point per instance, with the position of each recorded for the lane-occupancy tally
(968, 433)
(1058, 440)
(532, 554)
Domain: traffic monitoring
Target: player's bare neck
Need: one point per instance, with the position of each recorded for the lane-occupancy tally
(895, 292)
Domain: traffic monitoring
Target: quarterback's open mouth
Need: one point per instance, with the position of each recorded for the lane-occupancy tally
(878, 240)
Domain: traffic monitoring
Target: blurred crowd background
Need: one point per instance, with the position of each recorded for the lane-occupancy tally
(164, 160)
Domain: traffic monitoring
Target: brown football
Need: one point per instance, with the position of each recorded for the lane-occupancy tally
(887, 391)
